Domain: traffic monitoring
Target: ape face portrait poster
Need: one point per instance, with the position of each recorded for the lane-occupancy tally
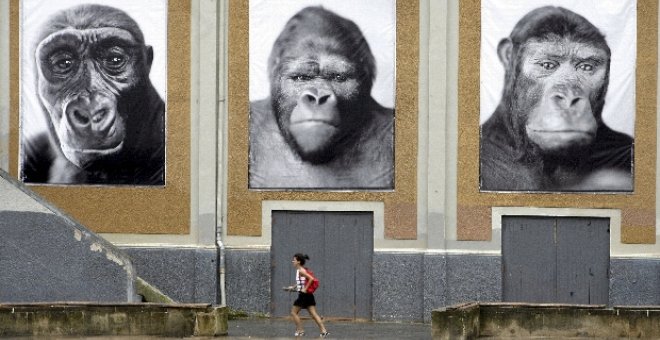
(321, 90)
(93, 81)
(557, 95)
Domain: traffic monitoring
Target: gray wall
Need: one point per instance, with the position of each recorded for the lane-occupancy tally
(408, 286)
(184, 274)
(247, 282)
(398, 281)
(634, 282)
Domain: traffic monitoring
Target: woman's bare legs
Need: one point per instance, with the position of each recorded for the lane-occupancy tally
(296, 319)
(316, 317)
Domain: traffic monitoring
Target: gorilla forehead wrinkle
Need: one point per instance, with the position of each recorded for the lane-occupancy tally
(89, 16)
(324, 32)
(318, 45)
(564, 47)
(88, 36)
(318, 65)
(548, 21)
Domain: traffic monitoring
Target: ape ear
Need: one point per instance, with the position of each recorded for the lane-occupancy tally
(150, 56)
(504, 50)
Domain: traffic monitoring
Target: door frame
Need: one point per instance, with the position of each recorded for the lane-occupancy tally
(617, 249)
(343, 282)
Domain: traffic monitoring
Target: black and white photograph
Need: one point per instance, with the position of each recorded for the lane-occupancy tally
(557, 95)
(93, 95)
(321, 90)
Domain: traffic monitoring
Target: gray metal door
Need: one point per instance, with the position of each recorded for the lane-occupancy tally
(555, 259)
(340, 247)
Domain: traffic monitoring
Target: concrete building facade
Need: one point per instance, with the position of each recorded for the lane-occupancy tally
(435, 240)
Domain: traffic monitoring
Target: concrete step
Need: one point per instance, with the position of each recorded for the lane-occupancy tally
(135, 321)
(150, 293)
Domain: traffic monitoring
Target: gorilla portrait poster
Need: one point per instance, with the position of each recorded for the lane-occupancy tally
(321, 90)
(557, 95)
(93, 81)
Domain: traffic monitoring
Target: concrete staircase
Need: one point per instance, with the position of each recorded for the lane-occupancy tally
(57, 278)
(47, 256)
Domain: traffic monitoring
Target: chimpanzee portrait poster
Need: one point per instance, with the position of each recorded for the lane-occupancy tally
(321, 90)
(93, 92)
(557, 95)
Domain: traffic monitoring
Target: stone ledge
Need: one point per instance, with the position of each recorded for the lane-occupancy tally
(107, 319)
(521, 320)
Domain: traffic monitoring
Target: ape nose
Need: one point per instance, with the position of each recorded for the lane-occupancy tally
(569, 101)
(87, 113)
(318, 98)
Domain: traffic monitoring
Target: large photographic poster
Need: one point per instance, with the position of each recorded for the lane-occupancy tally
(93, 91)
(246, 214)
(557, 95)
(321, 91)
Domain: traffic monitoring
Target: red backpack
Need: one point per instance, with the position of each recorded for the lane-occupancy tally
(315, 283)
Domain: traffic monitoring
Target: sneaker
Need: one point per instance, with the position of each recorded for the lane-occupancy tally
(324, 334)
(299, 333)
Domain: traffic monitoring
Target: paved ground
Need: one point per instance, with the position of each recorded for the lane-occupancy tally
(255, 329)
(284, 329)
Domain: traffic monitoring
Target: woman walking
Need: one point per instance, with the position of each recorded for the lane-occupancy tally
(305, 300)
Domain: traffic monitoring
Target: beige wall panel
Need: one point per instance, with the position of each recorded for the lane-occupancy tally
(244, 206)
(638, 208)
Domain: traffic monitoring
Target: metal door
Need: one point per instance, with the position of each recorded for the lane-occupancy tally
(340, 247)
(555, 259)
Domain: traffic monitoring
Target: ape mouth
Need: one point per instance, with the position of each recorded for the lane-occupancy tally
(313, 123)
(94, 151)
(313, 135)
(558, 140)
(561, 130)
(104, 151)
(313, 131)
(84, 157)
(564, 133)
(93, 143)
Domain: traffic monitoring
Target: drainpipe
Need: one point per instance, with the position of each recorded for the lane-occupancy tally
(222, 27)
(221, 266)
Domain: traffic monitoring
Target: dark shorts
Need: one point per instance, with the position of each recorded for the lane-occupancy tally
(305, 300)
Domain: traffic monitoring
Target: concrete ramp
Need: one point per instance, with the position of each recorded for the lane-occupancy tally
(47, 256)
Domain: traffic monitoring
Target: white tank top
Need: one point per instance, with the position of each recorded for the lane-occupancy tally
(300, 281)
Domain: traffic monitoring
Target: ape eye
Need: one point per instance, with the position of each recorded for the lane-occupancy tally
(301, 77)
(112, 58)
(114, 62)
(61, 63)
(339, 77)
(64, 65)
(548, 65)
(586, 67)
